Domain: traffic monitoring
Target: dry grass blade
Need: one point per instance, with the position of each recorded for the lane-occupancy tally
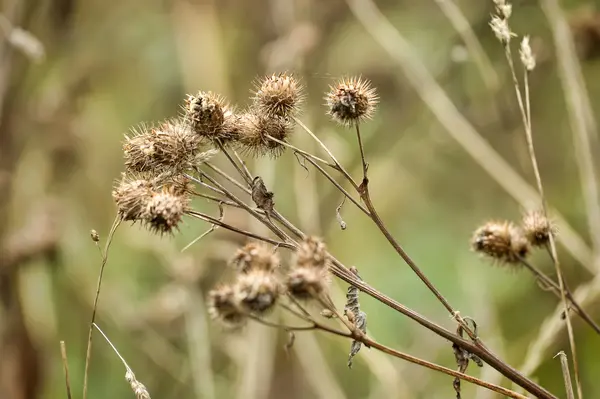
(63, 355)
(564, 364)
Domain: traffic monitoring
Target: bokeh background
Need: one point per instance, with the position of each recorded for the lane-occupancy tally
(80, 73)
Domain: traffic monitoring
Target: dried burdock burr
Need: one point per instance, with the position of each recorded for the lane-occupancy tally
(257, 131)
(502, 241)
(255, 256)
(205, 114)
(223, 305)
(258, 290)
(131, 197)
(312, 252)
(309, 276)
(351, 101)
(278, 95)
(168, 146)
(165, 209)
(537, 228)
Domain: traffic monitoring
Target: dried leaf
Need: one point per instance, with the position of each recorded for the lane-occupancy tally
(354, 315)
(262, 197)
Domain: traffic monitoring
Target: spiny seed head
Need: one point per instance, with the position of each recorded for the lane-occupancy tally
(307, 282)
(258, 290)
(205, 114)
(223, 305)
(501, 29)
(351, 101)
(502, 241)
(526, 54)
(278, 95)
(537, 228)
(312, 252)
(256, 132)
(232, 126)
(131, 197)
(165, 209)
(166, 146)
(255, 256)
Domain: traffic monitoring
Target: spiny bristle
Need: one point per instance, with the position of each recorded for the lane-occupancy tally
(206, 114)
(223, 305)
(165, 210)
(278, 95)
(537, 228)
(502, 241)
(166, 146)
(312, 252)
(351, 101)
(131, 197)
(258, 290)
(256, 131)
(255, 256)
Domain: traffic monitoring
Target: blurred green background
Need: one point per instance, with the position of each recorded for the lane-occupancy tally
(109, 65)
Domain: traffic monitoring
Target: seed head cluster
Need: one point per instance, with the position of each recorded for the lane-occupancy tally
(501, 241)
(309, 276)
(537, 228)
(351, 101)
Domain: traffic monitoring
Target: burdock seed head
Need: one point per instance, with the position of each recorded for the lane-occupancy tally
(131, 197)
(351, 101)
(258, 290)
(223, 305)
(307, 282)
(168, 146)
(537, 228)
(278, 95)
(502, 241)
(257, 130)
(312, 252)
(255, 256)
(165, 209)
(205, 114)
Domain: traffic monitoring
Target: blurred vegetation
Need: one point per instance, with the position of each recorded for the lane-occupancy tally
(109, 65)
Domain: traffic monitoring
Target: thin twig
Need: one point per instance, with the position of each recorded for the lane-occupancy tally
(235, 165)
(207, 232)
(63, 355)
(564, 365)
(104, 254)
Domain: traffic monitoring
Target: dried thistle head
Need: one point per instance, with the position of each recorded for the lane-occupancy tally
(233, 124)
(167, 146)
(165, 210)
(223, 305)
(205, 114)
(526, 54)
(258, 290)
(312, 252)
(537, 228)
(502, 241)
(257, 130)
(307, 282)
(131, 197)
(351, 101)
(278, 95)
(255, 256)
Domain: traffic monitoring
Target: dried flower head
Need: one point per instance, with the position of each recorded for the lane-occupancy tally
(255, 256)
(312, 252)
(351, 101)
(503, 9)
(165, 209)
(258, 290)
(233, 124)
(139, 390)
(502, 241)
(537, 228)
(527, 57)
(205, 114)
(501, 29)
(223, 305)
(166, 146)
(257, 130)
(278, 95)
(307, 282)
(131, 197)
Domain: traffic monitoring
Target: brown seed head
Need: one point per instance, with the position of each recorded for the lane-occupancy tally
(278, 95)
(312, 252)
(165, 209)
(223, 305)
(502, 241)
(257, 130)
(537, 228)
(258, 290)
(307, 282)
(255, 256)
(205, 114)
(169, 146)
(351, 101)
(131, 197)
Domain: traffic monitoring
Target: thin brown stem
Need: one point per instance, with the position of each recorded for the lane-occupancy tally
(63, 355)
(226, 176)
(365, 165)
(104, 254)
(564, 365)
(298, 150)
(242, 173)
(244, 167)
